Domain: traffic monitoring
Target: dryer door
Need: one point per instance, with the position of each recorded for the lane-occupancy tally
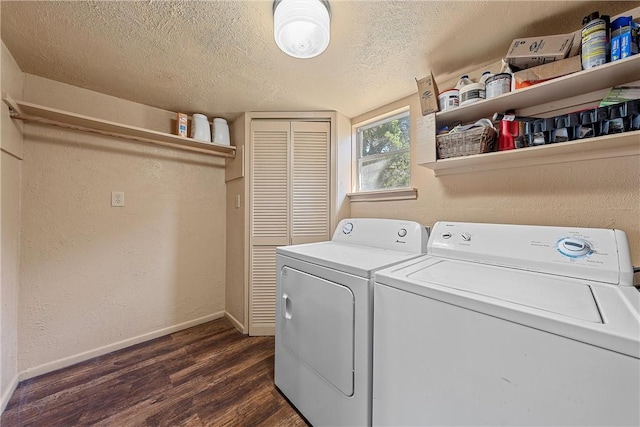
(318, 325)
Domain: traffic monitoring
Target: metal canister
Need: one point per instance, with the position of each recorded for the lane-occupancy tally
(594, 41)
(498, 84)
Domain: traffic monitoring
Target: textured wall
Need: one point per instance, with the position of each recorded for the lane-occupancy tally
(236, 244)
(95, 278)
(10, 164)
(597, 193)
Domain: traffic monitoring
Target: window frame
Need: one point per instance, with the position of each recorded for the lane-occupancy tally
(358, 158)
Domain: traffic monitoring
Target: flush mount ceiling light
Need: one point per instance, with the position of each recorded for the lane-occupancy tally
(301, 27)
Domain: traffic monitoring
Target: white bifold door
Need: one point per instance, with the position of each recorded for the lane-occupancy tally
(290, 203)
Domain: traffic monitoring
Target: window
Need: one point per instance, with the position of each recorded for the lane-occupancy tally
(383, 153)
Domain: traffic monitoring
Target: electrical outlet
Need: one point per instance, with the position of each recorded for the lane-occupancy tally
(117, 198)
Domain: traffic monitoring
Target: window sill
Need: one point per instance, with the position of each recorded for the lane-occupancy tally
(384, 195)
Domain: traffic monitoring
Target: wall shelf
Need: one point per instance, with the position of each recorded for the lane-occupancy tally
(616, 145)
(602, 77)
(572, 91)
(35, 113)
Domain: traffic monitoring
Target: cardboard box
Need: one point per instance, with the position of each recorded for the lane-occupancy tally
(181, 125)
(533, 51)
(624, 38)
(577, 44)
(428, 92)
(548, 71)
(620, 94)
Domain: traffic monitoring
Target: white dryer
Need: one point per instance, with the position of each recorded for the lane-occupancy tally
(509, 325)
(324, 316)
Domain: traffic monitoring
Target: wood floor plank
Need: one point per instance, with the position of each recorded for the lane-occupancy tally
(208, 375)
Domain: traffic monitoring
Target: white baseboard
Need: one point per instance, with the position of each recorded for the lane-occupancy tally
(6, 394)
(235, 322)
(81, 357)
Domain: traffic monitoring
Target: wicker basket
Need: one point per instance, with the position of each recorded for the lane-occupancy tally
(473, 141)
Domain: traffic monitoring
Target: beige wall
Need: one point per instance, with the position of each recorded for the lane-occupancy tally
(10, 165)
(341, 169)
(96, 278)
(236, 236)
(597, 193)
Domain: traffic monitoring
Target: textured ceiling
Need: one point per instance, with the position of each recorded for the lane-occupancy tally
(220, 58)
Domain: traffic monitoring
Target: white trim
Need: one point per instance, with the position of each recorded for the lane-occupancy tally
(263, 331)
(235, 322)
(379, 117)
(6, 396)
(384, 195)
(81, 357)
(384, 118)
(366, 124)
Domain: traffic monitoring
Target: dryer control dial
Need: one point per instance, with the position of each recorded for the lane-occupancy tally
(574, 247)
(466, 237)
(402, 232)
(348, 228)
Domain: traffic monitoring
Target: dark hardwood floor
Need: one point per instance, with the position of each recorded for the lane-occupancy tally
(208, 375)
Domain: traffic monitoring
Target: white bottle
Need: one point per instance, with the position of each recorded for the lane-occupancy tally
(220, 131)
(470, 92)
(464, 81)
(483, 78)
(200, 129)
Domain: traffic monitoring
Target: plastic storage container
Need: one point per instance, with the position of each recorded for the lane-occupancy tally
(220, 131)
(472, 93)
(200, 128)
(449, 99)
(464, 81)
(483, 78)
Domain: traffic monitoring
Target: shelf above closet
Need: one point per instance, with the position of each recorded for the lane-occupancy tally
(616, 145)
(35, 113)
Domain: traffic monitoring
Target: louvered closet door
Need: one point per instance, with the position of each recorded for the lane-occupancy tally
(269, 218)
(310, 175)
(290, 203)
(270, 183)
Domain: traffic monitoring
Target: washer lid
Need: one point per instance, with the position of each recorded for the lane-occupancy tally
(591, 312)
(358, 260)
(548, 293)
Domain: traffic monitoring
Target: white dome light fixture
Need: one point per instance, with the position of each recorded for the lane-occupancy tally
(301, 27)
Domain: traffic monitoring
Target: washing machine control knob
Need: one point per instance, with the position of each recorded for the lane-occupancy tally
(466, 237)
(402, 232)
(446, 235)
(574, 247)
(347, 228)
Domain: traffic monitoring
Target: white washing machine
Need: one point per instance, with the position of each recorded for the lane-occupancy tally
(324, 315)
(509, 325)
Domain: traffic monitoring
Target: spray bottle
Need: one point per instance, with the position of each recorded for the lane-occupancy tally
(594, 41)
